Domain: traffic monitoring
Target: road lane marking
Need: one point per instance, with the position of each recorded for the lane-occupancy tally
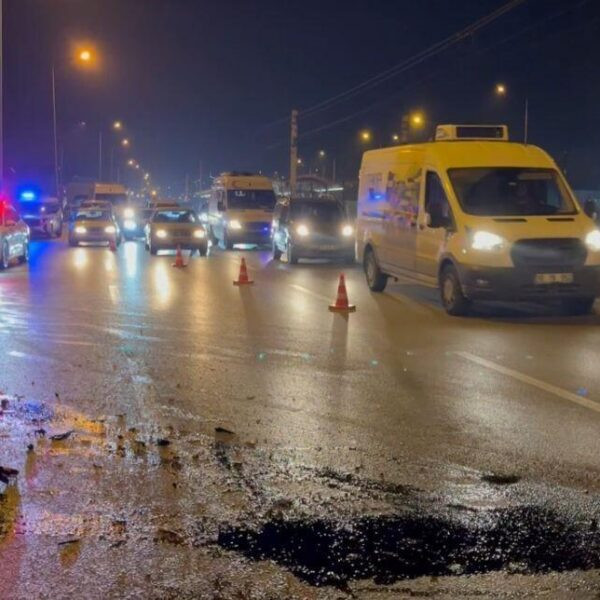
(538, 383)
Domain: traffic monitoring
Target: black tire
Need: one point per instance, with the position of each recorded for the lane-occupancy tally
(227, 243)
(5, 261)
(276, 252)
(577, 306)
(292, 256)
(24, 258)
(376, 280)
(453, 299)
(59, 231)
(202, 250)
(153, 249)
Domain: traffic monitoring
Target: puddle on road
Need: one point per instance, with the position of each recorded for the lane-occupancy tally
(391, 548)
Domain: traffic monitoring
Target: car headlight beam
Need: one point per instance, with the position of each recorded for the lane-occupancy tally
(302, 230)
(161, 233)
(129, 213)
(347, 230)
(80, 230)
(110, 229)
(592, 240)
(199, 233)
(486, 241)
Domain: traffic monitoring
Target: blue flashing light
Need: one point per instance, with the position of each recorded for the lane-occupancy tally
(28, 195)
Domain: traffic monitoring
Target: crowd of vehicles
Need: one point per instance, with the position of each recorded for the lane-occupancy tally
(476, 215)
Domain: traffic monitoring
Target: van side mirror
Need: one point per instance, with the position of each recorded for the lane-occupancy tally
(437, 220)
(590, 208)
(221, 206)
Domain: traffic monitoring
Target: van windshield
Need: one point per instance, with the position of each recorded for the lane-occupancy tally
(259, 199)
(510, 191)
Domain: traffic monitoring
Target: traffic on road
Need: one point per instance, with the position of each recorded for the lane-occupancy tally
(299, 301)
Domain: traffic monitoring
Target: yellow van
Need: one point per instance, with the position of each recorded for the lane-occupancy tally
(478, 216)
(240, 209)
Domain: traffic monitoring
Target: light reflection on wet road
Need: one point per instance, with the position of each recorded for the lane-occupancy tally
(386, 395)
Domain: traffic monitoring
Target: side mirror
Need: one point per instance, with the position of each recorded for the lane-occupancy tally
(590, 208)
(221, 206)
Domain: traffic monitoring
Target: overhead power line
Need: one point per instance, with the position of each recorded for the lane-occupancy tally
(414, 60)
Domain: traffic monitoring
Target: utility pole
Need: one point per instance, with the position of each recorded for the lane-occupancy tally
(100, 156)
(1, 107)
(404, 125)
(293, 151)
(55, 134)
(526, 123)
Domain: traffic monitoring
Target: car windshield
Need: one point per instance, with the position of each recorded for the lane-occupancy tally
(317, 212)
(114, 199)
(507, 191)
(175, 216)
(248, 199)
(92, 214)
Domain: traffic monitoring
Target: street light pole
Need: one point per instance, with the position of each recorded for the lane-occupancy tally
(55, 135)
(526, 123)
(100, 155)
(1, 107)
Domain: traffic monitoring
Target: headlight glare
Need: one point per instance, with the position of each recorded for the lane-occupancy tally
(129, 213)
(302, 230)
(484, 240)
(161, 233)
(592, 240)
(234, 224)
(199, 233)
(80, 229)
(110, 229)
(347, 230)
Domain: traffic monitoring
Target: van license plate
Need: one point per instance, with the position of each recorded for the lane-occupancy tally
(542, 278)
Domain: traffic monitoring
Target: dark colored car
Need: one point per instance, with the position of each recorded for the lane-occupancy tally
(312, 228)
(43, 216)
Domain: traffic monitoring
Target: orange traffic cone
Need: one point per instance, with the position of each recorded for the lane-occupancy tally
(341, 302)
(112, 245)
(179, 259)
(243, 276)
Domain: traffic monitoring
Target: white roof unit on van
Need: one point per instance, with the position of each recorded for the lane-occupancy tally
(496, 133)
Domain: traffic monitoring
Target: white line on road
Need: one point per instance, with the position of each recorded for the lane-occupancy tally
(538, 383)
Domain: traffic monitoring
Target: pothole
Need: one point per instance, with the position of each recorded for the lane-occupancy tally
(391, 548)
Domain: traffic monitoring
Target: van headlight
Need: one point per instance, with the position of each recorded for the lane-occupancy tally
(110, 229)
(199, 233)
(129, 213)
(592, 240)
(484, 240)
(129, 224)
(302, 230)
(80, 229)
(347, 230)
(234, 224)
(161, 233)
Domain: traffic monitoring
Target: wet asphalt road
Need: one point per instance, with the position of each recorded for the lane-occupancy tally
(396, 419)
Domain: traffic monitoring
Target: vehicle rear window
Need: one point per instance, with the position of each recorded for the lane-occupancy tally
(175, 216)
(93, 215)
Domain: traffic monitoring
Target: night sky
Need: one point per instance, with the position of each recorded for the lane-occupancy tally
(211, 83)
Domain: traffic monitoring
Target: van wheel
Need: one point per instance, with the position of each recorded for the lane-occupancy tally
(276, 252)
(453, 299)
(376, 280)
(577, 306)
(292, 255)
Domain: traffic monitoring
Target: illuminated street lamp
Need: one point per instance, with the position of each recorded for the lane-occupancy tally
(321, 153)
(395, 137)
(131, 162)
(500, 89)
(117, 125)
(365, 135)
(125, 143)
(417, 119)
(85, 56)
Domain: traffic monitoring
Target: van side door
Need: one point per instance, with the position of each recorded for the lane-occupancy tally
(431, 237)
(402, 194)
